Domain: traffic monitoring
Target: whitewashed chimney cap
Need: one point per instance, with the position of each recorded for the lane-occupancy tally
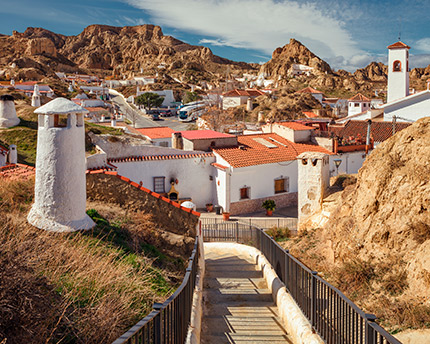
(60, 106)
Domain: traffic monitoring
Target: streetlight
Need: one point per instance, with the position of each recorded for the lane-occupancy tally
(337, 163)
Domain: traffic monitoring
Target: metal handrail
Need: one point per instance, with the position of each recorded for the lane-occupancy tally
(169, 321)
(331, 314)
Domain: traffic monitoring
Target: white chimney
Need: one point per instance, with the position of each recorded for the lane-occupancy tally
(35, 99)
(60, 186)
(13, 154)
(8, 117)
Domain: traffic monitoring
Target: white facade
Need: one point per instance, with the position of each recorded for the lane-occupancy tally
(60, 186)
(288, 133)
(169, 99)
(8, 117)
(351, 162)
(398, 73)
(229, 102)
(355, 107)
(195, 175)
(409, 109)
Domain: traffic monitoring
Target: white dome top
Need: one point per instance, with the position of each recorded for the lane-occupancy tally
(189, 205)
(60, 106)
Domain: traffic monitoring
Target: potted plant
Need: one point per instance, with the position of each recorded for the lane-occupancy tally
(225, 216)
(270, 206)
(209, 207)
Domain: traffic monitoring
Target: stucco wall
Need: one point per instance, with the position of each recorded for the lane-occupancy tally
(205, 144)
(289, 134)
(192, 175)
(108, 188)
(253, 205)
(351, 162)
(398, 82)
(410, 109)
(261, 179)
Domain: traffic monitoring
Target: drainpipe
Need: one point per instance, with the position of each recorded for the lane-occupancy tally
(369, 124)
(394, 125)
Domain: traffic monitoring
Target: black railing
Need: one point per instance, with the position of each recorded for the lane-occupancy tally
(169, 321)
(332, 315)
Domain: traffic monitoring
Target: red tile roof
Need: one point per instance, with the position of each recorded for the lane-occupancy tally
(156, 132)
(380, 131)
(398, 45)
(245, 93)
(95, 108)
(3, 150)
(309, 114)
(252, 151)
(309, 90)
(359, 98)
(221, 167)
(295, 126)
(203, 134)
(16, 171)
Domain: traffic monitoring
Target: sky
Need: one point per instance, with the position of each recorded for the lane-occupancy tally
(347, 34)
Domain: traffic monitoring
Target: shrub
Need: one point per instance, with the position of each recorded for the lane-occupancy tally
(269, 204)
(279, 233)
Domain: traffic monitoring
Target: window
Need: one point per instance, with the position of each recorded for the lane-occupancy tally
(356, 104)
(159, 185)
(79, 120)
(244, 192)
(60, 121)
(281, 185)
(397, 66)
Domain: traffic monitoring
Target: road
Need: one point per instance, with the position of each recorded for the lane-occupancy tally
(144, 121)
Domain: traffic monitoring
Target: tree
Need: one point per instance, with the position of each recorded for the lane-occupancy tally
(190, 97)
(149, 100)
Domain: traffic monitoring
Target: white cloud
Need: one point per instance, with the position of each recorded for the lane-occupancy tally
(257, 24)
(220, 43)
(423, 45)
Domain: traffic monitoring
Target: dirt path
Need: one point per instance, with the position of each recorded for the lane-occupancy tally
(238, 306)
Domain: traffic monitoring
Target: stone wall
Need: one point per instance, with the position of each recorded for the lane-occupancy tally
(252, 205)
(109, 187)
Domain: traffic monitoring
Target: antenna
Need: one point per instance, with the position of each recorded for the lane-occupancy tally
(400, 28)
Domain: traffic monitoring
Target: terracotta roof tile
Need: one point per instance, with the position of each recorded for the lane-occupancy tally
(156, 132)
(309, 90)
(246, 93)
(309, 114)
(359, 98)
(16, 171)
(380, 131)
(295, 126)
(255, 150)
(398, 45)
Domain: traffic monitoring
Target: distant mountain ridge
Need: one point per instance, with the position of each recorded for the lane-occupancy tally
(109, 50)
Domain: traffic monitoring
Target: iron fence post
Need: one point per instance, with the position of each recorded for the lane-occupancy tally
(287, 269)
(157, 323)
(370, 338)
(313, 298)
(237, 231)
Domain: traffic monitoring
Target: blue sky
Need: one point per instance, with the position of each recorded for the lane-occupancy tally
(347, 34)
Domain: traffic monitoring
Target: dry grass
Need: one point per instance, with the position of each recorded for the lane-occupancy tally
(71, 288)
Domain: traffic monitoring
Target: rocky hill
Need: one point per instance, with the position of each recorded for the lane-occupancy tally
(376, 244)
(120, 50)
(365, 80)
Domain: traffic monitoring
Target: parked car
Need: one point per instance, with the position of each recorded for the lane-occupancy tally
(156, 117)
(166, 113)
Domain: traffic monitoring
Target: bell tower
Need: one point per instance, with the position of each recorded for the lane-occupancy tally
(398, 71)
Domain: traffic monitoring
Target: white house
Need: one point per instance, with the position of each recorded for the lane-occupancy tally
(169, 99)
(3, 156)
(358, 104)
(262, 166)
(299, 69)
(192, 175)
(239, 97)
(159, 136)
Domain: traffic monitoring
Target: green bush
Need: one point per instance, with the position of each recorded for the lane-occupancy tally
(279, 233)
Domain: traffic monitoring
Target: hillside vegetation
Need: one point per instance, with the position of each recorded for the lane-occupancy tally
(83, 287)
(376, 245)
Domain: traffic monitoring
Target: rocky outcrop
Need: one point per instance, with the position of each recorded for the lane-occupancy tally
(294, 52)
(120, 50)
(386, 217)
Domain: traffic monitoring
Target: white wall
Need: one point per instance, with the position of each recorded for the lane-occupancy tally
(412, 109)
(398, 82)
(351, 162)
(228, 102)
(192, 174)
(2, 158)
(288, 133)
(362, 106)
(261, 179)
